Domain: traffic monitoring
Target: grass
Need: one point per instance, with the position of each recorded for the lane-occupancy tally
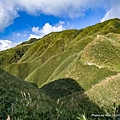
(85, 75)
(70, 68)
(19, 98)
(69, 40)
(103, 51)
(22, 100)
(107, 92)
(12, 55)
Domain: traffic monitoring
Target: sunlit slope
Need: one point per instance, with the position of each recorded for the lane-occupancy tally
(103, 51)
(71, 95)
(51, 44)
(106, 94)
(88, 55)
(86, 72)
(39, 53)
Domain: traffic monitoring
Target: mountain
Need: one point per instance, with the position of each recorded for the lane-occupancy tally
(74, 67)
(13, 55)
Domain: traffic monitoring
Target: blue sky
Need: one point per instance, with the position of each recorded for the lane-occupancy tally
(21, 20)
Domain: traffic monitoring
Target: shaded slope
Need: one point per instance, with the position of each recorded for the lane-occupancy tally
(70, 96)
(22, 100)
(61, 88)
(102, 98)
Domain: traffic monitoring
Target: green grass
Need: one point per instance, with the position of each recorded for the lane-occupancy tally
(19, 98)
(107, 92)
(103, 51)
(85, 75)
(66, 41)
(13, 55)
(22, 100)
(88, 57)
(41, 54)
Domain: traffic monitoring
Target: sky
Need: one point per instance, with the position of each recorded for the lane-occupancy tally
(21, 20)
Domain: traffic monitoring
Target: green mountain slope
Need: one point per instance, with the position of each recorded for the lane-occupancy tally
(87, 56)
(107, 92)
(104, 52)
(23, 100)
(71, 96)
(42, 52)
(19, 99)
(49, 53)
(13, 55)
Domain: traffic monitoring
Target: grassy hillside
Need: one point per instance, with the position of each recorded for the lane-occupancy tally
(89, 57)
(13, 55)
(22, 100)
(108, 94)
(43, 50)
(19, 99)
(71, 96)
(103, 51)
(62, 45)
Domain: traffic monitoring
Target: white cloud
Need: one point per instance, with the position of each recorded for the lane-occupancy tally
(35, 30)
(6, 44)
(8, 13)
(63, 8)
(113, 12)
(34, 36)
(47, 28)
(58, 7)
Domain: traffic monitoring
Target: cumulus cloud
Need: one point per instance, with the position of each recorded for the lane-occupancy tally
(63, 8)
(113, 11)
(46, 29)
(34, 36)
(6, 44)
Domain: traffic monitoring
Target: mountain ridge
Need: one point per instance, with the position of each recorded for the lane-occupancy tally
(88, 57)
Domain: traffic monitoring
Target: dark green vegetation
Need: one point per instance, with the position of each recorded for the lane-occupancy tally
(17, 97)
(77, 71)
